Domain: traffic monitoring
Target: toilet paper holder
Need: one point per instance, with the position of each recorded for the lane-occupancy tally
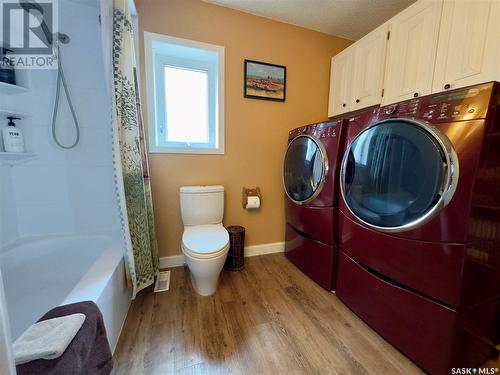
(251, 192)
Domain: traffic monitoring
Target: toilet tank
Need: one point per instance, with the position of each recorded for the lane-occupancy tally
(202, 205)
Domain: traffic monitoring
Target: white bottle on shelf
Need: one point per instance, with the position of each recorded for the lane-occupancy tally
(13, 140)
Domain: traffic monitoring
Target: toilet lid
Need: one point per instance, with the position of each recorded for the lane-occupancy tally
(205, 240)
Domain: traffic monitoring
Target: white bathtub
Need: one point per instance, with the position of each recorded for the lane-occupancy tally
(40, 274)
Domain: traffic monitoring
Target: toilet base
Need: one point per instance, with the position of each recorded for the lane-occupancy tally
(204, 287)
(205, 273)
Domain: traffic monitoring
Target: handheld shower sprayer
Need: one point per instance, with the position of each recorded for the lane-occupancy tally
(55, 39)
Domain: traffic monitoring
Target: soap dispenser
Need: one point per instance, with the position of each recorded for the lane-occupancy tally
(13, 140)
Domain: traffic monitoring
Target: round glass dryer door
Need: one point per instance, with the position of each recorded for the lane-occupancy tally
(304, 169)
(397, 174)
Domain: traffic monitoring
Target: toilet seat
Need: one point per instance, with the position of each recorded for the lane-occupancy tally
(205, 241)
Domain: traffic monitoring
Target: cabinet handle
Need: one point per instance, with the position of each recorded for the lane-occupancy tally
(343, 105)
(447, 86)
(357, 100)
(415, 95)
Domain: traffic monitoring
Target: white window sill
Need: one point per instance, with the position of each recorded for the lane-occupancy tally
(194, 151)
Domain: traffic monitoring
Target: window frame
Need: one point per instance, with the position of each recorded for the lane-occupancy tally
(155, 82)
(161, 62)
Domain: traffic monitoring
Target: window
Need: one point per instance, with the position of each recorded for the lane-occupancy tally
(185, 95)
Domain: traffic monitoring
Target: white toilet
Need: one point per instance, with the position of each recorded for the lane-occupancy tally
(205, 242)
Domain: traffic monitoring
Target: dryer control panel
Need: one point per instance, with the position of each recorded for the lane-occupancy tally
(457, 105)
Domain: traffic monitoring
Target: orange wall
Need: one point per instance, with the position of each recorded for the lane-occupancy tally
(255, 130)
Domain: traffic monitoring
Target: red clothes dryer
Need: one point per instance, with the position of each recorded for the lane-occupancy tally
(419, 225)
(310, 180)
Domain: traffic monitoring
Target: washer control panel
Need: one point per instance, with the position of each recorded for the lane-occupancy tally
(296, 132)
(324, 129)
(327, 129)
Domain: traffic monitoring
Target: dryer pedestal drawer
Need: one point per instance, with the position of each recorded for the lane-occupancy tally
(314, 258)
(433, 269)
(427, 332)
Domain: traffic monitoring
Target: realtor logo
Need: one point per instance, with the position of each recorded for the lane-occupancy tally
(474, 371)
(28, 29)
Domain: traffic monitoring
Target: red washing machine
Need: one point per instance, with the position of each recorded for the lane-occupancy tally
(419, 225)
(310, 180)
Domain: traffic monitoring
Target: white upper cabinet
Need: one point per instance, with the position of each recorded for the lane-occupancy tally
(357, 73)
(341, 83)
(433, 46)
(469, 44)
(369, 60)
(412, 51)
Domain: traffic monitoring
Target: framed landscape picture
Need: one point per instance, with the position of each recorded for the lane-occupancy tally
(264, 81)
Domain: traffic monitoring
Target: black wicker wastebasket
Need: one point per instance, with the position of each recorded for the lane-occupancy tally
(236, 257)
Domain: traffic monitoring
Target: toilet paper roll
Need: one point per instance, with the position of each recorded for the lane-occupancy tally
(253, 202)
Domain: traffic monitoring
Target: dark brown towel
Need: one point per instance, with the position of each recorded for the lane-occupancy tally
(88, 353)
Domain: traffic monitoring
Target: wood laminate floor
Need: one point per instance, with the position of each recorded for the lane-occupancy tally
(267, 319)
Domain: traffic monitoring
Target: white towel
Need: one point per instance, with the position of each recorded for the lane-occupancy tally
(47, 339)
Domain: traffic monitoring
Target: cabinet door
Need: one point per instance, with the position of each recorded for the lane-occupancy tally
(468, 43)
(412, 51)
(341, 83)
(369, 60)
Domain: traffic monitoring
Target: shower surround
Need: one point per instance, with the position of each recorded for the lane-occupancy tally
(60, 233)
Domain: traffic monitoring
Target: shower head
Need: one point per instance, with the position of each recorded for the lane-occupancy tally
(36, 10)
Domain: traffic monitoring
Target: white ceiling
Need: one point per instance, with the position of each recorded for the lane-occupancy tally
(350, 19)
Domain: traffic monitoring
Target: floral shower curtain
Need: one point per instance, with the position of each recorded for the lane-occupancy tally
(142, 253)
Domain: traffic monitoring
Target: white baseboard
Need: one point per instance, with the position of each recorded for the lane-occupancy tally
(172, 261)
(266, 248)
(250, 251)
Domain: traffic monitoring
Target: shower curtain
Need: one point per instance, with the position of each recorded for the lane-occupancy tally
(137, 207)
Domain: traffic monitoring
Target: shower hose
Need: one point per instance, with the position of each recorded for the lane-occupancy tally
(62, 79)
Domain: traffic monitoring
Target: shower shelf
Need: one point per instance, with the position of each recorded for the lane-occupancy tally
(12, 158)
(5, 113)
(8, 88)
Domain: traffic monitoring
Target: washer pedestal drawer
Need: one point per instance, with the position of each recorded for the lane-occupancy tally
(314, 258)
(316, 222)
